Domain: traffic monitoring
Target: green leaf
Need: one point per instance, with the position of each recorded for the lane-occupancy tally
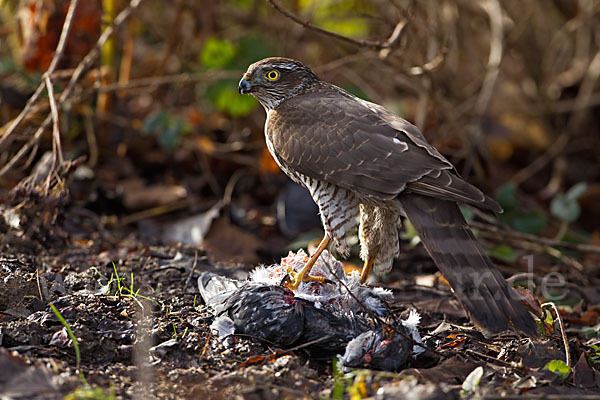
(506, 196)
(216, 53)
(504, 253)
(338, 379)
(524, 221)
(167, 128)
(516, 217)
(155, 121)
(576, 191)
(355, 90)
(559, 368)
(170, 138)
(245, 5)
(410, 234)
(467, 212)
(346, 17)
(565, 206)
(565, 209)
(594, 356)
(591, 331)
(225, 97)
(351, 27)
(250, 49)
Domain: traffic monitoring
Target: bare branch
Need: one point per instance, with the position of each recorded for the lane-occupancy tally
(378, 45)
(79, 72)
(60, 48)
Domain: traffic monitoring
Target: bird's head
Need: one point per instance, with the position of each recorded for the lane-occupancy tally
(274, 80)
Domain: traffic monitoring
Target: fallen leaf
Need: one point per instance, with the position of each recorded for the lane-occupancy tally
(228, 243)
(583, 375)
(530, 302)
(139, 196)
(472, 380)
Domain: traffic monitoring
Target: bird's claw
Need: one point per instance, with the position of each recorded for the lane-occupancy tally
(293, 279)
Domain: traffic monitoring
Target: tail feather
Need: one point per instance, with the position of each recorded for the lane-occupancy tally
(491, 303)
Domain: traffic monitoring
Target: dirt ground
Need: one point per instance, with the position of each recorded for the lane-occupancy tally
(143, 332)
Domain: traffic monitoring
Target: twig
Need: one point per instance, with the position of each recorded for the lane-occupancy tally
(34, 97)
(167, 79)
(208, 337)
(562, 332)
(588, 248)
(281, 353)
(155, 211)
(494, 10)
(540, 162)
(510, 364)
(535, 246)
(189, 277)
(62, 42)
(378, 45)
(42, 293)
(532, 278)
(586, 90)
(56, 147)
(60, 49)
(88, 125)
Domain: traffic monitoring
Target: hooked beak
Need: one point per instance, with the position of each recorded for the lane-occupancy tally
(244, 86)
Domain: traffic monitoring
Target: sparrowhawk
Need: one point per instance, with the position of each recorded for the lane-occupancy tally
(358, 159)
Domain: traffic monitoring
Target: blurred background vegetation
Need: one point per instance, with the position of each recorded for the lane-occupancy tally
(506, 89)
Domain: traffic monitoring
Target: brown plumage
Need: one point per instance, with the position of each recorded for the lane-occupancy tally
(358, 159)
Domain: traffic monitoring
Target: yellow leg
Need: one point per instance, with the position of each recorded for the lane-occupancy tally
(364, 275)
(303, 275)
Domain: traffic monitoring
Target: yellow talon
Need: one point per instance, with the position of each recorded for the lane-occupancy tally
(303, 275)
(295, 280)
(364, 275)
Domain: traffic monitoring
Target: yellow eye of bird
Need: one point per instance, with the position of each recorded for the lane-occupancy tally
(272, 75)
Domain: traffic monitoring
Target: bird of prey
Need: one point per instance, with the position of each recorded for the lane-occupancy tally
(359, 159)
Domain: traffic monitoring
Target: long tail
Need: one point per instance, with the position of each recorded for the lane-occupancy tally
(483, 292)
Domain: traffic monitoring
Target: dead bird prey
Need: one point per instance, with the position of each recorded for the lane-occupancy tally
(321, 315)
(358, 159)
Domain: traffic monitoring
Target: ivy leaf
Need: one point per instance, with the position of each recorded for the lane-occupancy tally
(524, 221)
(506, 196)
(216, 53)
(564, 209)
(576, 191)
(565, 206)
(251, 48)
(155, 121)
(167, 128)
(467, 212)
(504, 253)
(594, 356)
(170, 138)
(559, 368)
(225, 97)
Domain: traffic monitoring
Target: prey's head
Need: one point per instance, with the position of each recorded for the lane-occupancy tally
(274, 80)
